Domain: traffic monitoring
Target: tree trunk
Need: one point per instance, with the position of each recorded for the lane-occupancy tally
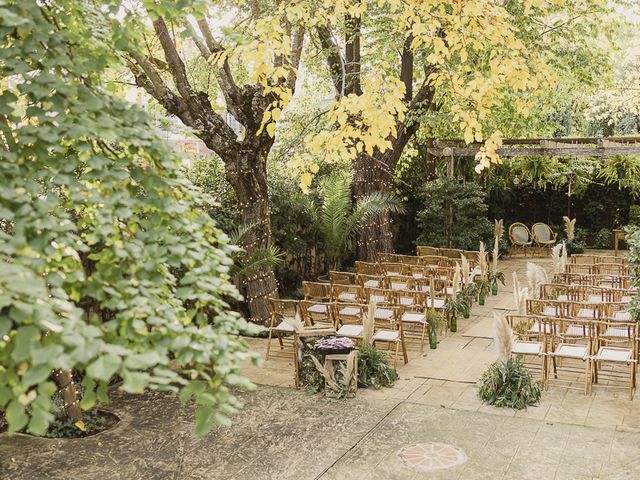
(376, 236)
(375, 174)
(248, 177)
(64, 381)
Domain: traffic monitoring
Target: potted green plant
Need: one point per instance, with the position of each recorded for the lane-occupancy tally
(493, 278)
(483, 287)
(467, 294)
(452, 308)
(434, 321)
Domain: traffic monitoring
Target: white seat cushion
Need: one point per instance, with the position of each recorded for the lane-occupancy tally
(413, 317)
(597, 299)
(527, 348)
(386, 335)
(613, 354)
(577, 331)
(622, 316)
(437, 303)
(350, 331)
(347, 296)
(283, 327)
(372, 283)
(383, 314)
(318, 308)
(563, 298)
(586, 313)
(620, 332)
(537, 328)
(571, 351)
(377, 298)
(417, 275)
(550, 312)
(350, 311)
(406, 300)
(398, 285)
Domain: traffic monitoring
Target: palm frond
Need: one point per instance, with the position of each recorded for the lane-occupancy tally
(334, 215)
(260, 259)
(372, 205)
(239, 233)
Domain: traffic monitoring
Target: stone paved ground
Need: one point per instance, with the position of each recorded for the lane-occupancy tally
(287, 434)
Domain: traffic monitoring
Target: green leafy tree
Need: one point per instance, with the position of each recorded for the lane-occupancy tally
(108, 268)
(455, 214)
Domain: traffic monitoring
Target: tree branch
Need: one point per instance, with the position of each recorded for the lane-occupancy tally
(334, 59)
(175, 63)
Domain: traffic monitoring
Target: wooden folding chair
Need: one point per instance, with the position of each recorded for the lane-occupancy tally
(387, 257)
(348, 318)
(371, 281)
(414, 323)
(346, 293)
(617, 346)
(316, 291)
(530, 346)
(342, 278)
(409, 259)
(389, 331)
(422, 251)
(316, 313)
(367, 268)
(379, 295)
(570, 348)
(280, 309)
(400, 282)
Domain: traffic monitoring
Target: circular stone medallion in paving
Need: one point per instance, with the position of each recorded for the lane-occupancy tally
(431, 456)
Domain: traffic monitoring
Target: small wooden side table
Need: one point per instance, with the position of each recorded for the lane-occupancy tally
(343, 357)
(618, 234)
(299, 338)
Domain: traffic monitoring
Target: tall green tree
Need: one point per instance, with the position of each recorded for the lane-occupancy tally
(108, 267)
(255, 68)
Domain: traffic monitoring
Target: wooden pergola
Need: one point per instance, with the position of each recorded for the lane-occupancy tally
(534, 147)
(537, 147)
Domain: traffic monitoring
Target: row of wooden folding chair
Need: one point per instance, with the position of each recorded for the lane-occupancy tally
(416, 271)
(585, 293)
(598, 269)
(592, 259)
(579, 347)
(597, 280)
(429, 260)
(577, 310)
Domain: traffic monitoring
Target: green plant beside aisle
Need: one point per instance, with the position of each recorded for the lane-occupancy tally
(455, 306)
(434, 321)
(507, 382)
(483, 287)
(467, 294)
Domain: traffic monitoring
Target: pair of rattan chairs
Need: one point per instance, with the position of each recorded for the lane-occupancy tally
(539, 237)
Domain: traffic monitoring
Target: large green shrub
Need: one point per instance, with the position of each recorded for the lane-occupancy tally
(508, 383)
(108, 267)
(632, 237)
(455, 214)
(603, 238)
